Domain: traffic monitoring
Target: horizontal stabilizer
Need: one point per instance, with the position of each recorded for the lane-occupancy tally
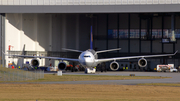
(71, 50)
(108, 50)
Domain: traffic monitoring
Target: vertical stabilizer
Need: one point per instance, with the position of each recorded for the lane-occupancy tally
(23, 51)
(21, 59)
(91, 40)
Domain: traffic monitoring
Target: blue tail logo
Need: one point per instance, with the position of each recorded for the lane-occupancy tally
(91, 40)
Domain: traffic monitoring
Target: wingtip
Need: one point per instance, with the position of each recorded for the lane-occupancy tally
(3, 52)
(175, 52)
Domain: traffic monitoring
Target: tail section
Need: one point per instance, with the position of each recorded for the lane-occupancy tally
(91, 40)
(73, 50)
(108, 50)
(23, 51)
(20, 61)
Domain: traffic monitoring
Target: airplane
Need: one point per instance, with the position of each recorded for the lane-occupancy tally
(89, 58)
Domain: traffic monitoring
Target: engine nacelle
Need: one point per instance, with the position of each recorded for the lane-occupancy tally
(62, 66)
(142, 62)
(114, 66)
(35, 62)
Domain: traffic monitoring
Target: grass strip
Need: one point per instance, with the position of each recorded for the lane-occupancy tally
(161, 84)
(54, 78)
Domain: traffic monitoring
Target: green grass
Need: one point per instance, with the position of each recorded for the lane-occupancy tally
(55, 78)
(52, 77)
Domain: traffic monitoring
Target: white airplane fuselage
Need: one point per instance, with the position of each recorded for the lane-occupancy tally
(87, 59)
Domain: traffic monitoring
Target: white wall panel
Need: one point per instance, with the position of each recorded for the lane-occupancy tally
(40, 2)
(58, 2)
(4, 2)
(88, 2)
(13, 34)
(76, 2)
(130, 1)
(46, 2)
(174, 1)
(162, 2)
(16, 2)
(70, 2)
(28, 29)
(118, 2)
(34, 2)
(136, 1)
(29, 36)
(143, 1)
(112, 2)
(52, 2)
(124, 2)
(155, 1)
(149, 1)
(12, 29)
(94, 2)
(28, 2)
(168, 1)
(82, 2)
(64, 2)
(22, 2)
(10, 2)
(106, 2)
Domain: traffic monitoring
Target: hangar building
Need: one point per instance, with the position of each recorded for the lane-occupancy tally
(139, 27)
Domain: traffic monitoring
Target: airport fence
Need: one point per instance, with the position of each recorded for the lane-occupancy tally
(7, 74)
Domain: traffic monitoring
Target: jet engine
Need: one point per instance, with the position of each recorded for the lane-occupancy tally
(142, 62)
(62, 66)
(35, 62)
(114, 66)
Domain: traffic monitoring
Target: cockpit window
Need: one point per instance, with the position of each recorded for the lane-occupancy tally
(86, 56)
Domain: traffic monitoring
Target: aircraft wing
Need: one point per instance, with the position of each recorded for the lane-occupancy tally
(54, 58)
(132, 57)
